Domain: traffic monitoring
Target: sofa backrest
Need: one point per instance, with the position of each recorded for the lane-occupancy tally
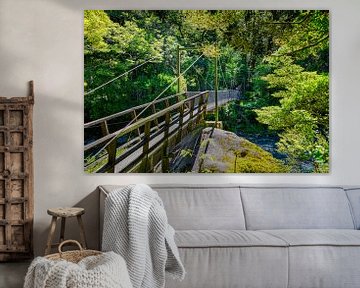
(354, 198)
(296, 208)
(191, 207)
(215, 207)
(202, 208)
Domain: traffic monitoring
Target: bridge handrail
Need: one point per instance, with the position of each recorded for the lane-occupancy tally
(115, 135)
(130, 110)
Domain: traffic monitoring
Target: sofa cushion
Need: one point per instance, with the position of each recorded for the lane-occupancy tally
(322, 258)
(226, 238)
(191, 207)
(296, 208)
(223, 267)
(317, 237)
(204, 208)
(324, 266)
(354, 198)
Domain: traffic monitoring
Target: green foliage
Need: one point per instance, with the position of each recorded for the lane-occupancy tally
(229, 115)
(110, 50)
(302, 118)
(186, 153)
(97, 26)
(312, 39)
(252, 159)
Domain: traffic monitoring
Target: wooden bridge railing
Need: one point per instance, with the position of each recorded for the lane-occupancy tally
(155, 135)
(133, 112)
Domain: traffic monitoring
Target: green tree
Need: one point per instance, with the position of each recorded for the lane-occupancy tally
(97, 27)
(110, 50)
(302, 118)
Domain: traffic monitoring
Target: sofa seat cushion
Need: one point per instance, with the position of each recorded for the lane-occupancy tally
(317, 237)
(322, 258)
(225, 238)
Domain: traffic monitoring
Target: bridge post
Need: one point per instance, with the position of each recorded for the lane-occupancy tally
(205, 103)
(156, 121)
(191, 114)
(146, 146)
(111, 148)
(104, 128)
(135, 118)
(181, 120)
(199, 113)
(165, 156)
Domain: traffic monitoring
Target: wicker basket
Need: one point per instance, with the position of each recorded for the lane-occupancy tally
(72, 256)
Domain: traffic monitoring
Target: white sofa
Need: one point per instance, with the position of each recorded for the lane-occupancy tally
(264, 237)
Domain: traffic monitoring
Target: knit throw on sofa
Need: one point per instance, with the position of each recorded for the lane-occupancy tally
(136, 227)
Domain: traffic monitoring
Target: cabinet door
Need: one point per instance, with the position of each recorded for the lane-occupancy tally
(16, 203)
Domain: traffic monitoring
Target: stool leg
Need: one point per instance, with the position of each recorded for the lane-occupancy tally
(62, 230)
(51, 235)
(82, 232)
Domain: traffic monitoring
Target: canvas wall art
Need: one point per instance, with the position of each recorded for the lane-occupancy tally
(206, 91)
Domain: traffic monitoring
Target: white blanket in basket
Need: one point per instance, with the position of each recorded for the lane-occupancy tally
(107, 270)
(136, 227)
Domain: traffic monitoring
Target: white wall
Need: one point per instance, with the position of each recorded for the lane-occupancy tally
(43, 40)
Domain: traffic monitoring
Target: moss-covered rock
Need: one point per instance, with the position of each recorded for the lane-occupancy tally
(225, 152)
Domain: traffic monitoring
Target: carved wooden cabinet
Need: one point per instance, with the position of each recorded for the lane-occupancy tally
(16, 177)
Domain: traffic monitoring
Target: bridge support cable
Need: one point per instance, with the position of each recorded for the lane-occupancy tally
(170, 85)
(119, 76)
(113, 138)
(178, 62)
(216, 90)
(178, 69)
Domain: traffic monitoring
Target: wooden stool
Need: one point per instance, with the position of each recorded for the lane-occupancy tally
(64, 213)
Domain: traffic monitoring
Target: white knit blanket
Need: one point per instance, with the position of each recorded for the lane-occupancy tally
(136, 227)
(103, 271)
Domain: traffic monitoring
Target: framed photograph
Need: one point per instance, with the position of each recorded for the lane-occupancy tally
(206, 91)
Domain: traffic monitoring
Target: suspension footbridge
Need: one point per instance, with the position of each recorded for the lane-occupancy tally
(140, 139)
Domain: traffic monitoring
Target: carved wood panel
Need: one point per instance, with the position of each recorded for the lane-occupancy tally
(16, 177)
